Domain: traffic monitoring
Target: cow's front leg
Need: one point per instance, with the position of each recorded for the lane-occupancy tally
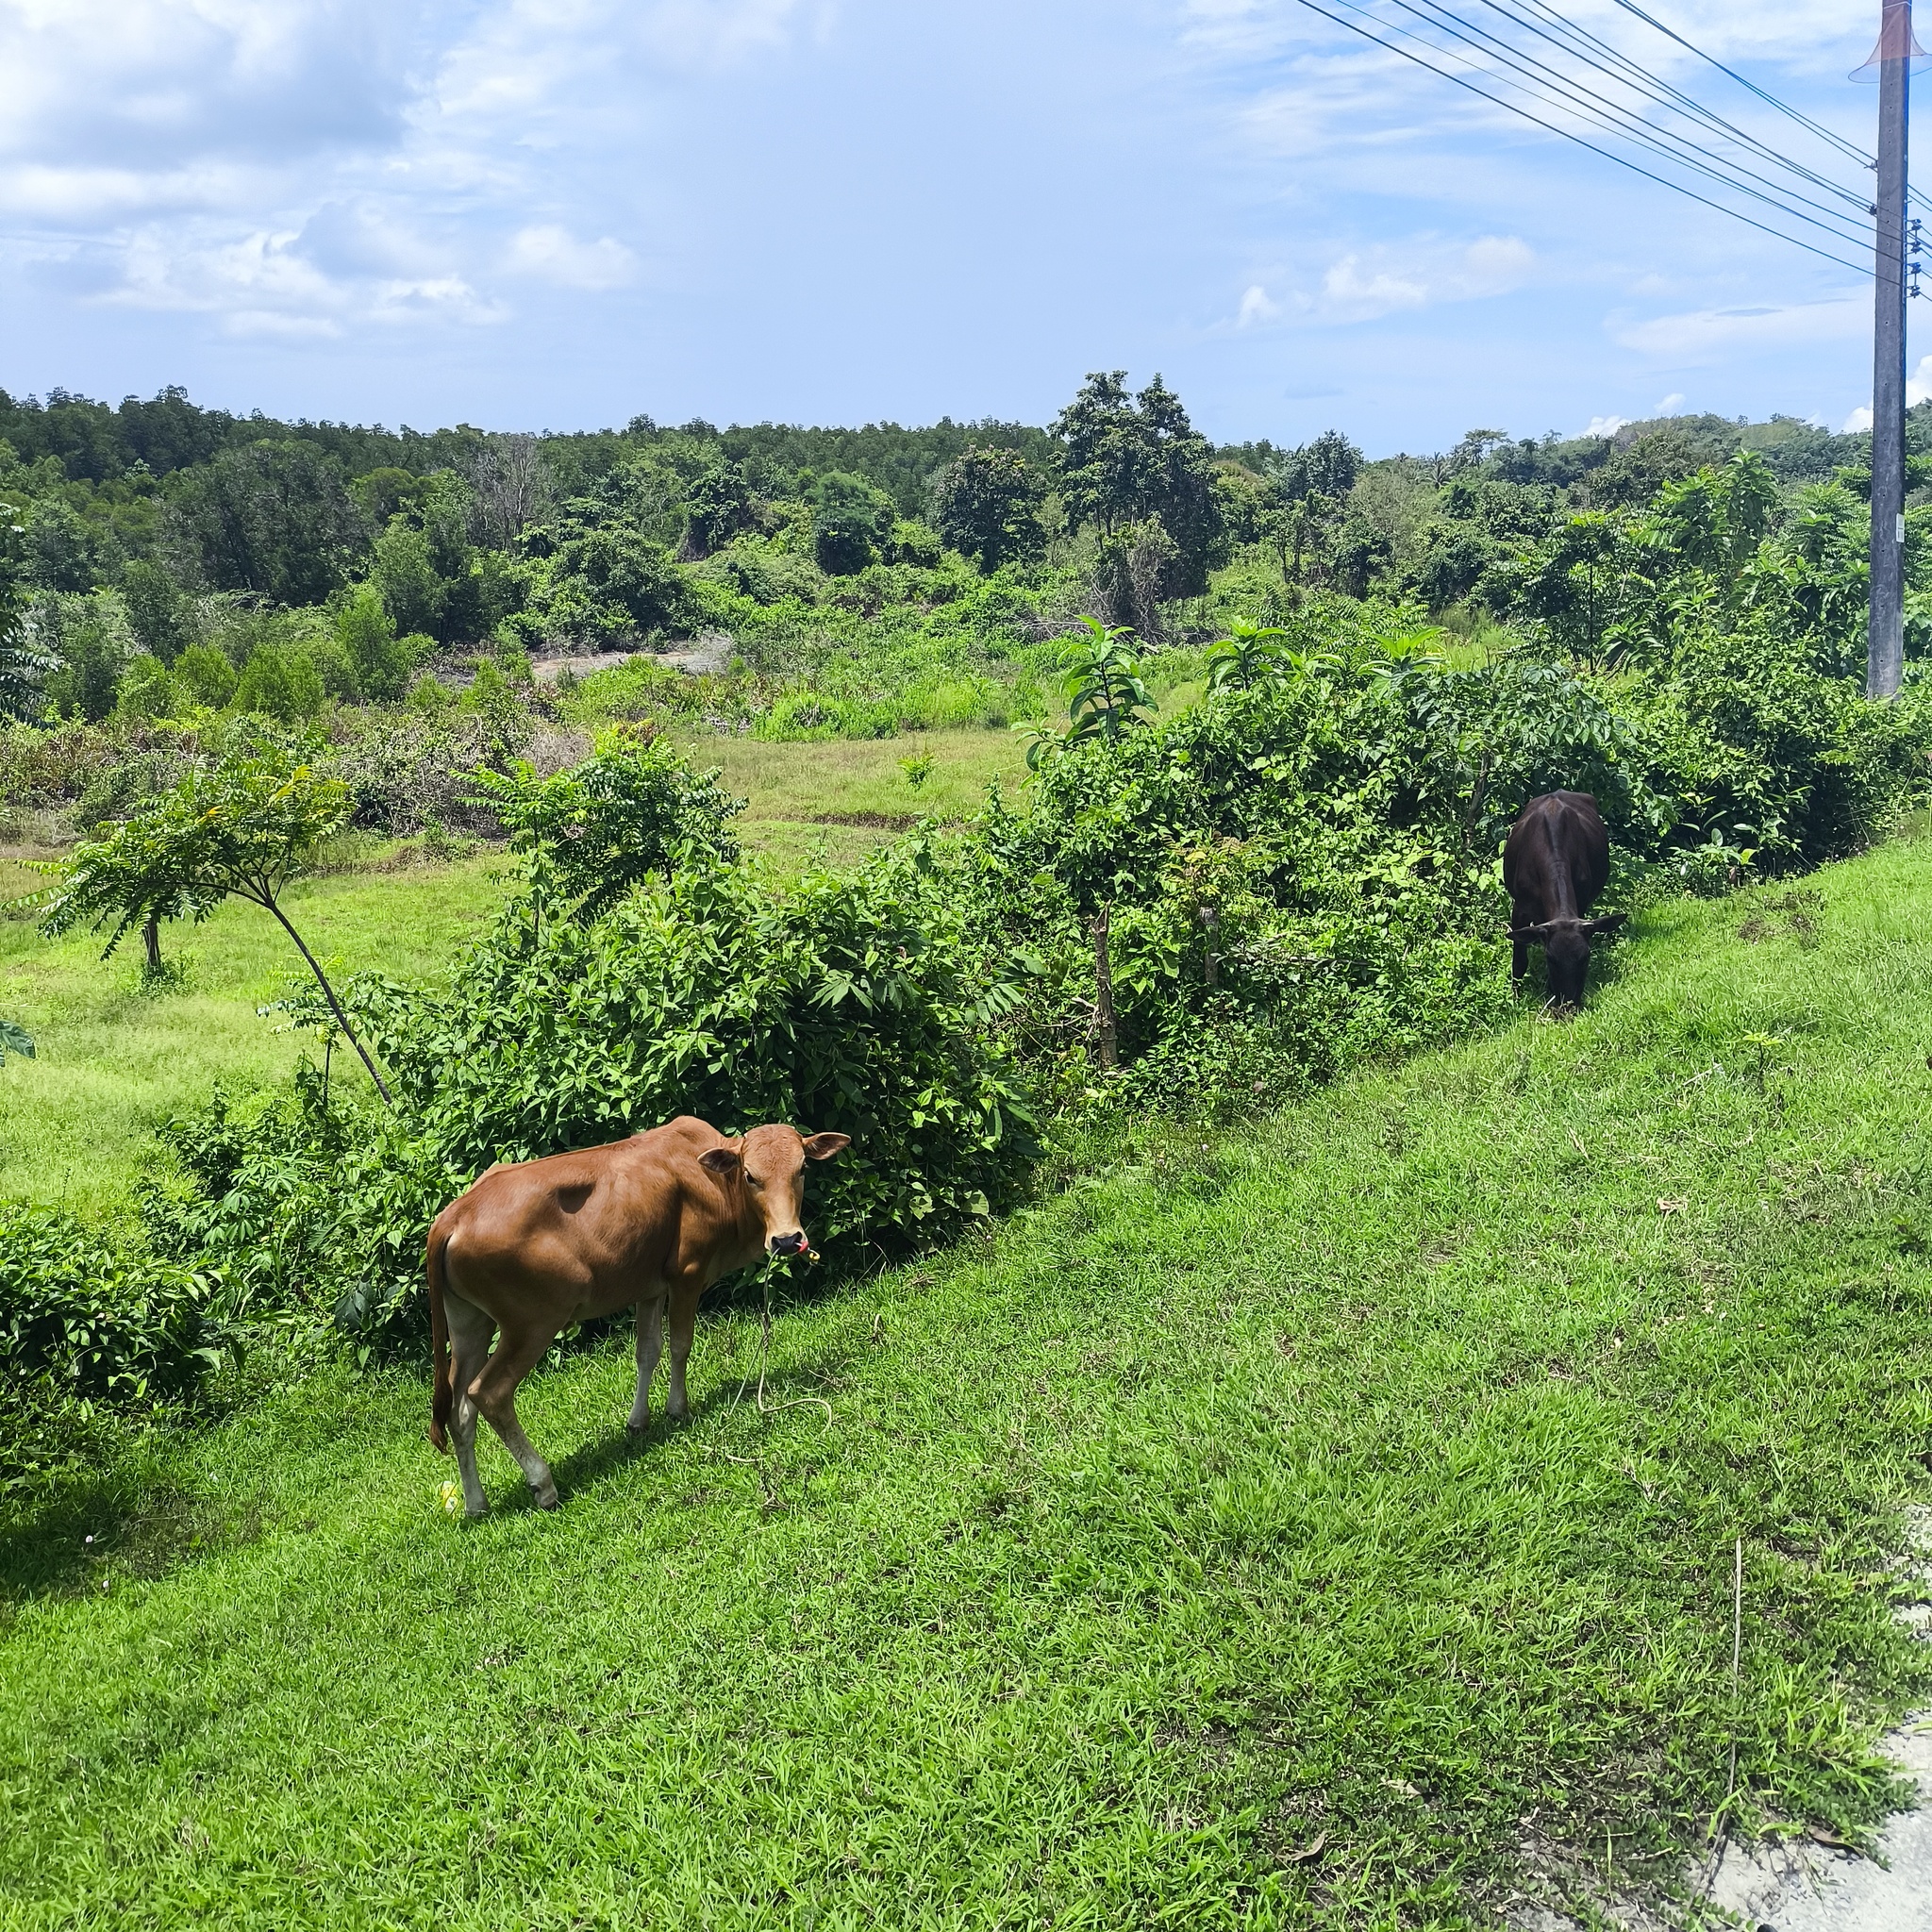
(1519, 954)
(650, 1346)
(684, 1320)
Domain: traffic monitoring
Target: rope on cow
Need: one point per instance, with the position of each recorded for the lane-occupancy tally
(766, 1410)
(765, 1355)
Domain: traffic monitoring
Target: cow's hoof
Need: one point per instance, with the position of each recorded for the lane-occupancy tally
(475, 1515)
(636, 1427)
(545, 1499)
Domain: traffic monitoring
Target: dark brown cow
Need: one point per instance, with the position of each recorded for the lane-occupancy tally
(1556, 862)
(652, 1222)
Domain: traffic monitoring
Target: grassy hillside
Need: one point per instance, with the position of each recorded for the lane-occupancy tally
(1331, 1523)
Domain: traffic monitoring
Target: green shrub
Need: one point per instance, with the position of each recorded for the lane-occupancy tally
(94, 1317)
(629, 812)
(204, 672)
(852, 520)
(1752, 746)
(367, 637)
(279, 683)
(643, 687)
(859, 1005)
(149, 690)
(804, 717)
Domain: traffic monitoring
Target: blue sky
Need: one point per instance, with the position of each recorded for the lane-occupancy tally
(557, 213)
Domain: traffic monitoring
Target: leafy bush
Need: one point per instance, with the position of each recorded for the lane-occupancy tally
(632, 811)
(93, 1318)
(805, 716)
(204, 672)
(859, 1005)
(1748, 742)
(280, 684)
(367, 636)
(852, 521)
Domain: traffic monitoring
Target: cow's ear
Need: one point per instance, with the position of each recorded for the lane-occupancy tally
(1608, 922)
(722, 1161)
(823, 1146)
(1529, 935)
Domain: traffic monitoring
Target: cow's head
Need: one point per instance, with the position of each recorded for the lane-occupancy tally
(1566, 952)
(770, 1161)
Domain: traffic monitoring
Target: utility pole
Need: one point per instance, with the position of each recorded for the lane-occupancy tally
(1885, 634)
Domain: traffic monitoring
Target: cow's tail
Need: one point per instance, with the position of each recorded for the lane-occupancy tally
(442, 1369)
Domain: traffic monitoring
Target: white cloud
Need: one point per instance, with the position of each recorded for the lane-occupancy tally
(156, 86)
(268, 283)
(552, 255)
(1256, 306)
(1709, 335)
(1673, 404)
(1861, 419)
(1369, 283)
(1603, 426)
(311, 166)
(1919, 384)
(1365, 294)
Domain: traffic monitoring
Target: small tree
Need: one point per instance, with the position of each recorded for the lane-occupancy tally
(851, 519)
(592, 833)
(1578, 583)
(1250, 655)
(23, 665)
(368, 637)
(1105, 694)
(986, 507)
(245, 829)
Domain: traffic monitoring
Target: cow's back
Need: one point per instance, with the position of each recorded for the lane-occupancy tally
(1558, 856)
(583, 1228)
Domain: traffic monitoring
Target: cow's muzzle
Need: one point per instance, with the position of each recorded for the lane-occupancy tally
(788, 1244)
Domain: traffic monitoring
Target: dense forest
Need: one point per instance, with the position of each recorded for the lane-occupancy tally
(163, 558)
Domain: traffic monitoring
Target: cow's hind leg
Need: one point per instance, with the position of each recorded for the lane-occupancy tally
(469, 1330)
(650, 1346)
(497, 1396)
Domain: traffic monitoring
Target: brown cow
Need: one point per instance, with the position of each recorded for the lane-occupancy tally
(652, 1222)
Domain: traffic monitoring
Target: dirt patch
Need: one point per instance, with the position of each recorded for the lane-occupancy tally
(1811, 1883)
(1792, 915)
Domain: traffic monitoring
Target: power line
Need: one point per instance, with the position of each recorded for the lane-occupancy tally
(1580, 98)
(1849, 149)
(1570, 134)
(1587, 46)
(1607, 115)
(1770, 100)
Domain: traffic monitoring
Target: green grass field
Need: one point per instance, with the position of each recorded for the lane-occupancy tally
(115, 1060)
(1328, 1522)
(834, 801)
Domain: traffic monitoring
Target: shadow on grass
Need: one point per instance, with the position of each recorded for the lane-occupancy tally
(581, 1471)
(71, 1540)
